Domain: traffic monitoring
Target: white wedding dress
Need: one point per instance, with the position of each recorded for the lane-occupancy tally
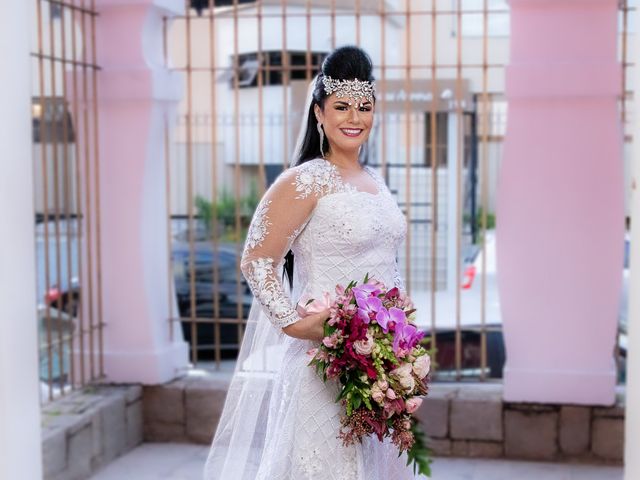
(280, 421)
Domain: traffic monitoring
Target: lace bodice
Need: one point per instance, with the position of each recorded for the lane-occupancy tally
(336, 232)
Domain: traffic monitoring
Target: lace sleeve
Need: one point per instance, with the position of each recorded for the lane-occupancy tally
(278, 219)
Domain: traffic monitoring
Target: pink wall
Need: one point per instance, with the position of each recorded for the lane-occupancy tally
(135, 95)
(560, 203)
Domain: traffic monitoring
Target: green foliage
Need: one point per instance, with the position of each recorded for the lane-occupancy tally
(419, 453)
(491, 219)
(354, 392)
(204, 211)
(225, 210)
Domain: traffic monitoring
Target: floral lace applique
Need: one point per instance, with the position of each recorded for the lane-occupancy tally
(397, 278)
(258, 229)
(312, 463)
(265, 286)
(319, 177)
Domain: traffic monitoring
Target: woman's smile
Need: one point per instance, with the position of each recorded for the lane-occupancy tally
(351, 132)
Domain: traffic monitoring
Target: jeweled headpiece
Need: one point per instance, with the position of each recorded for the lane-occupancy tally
(359, 90)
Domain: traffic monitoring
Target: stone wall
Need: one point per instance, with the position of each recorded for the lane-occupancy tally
(88, 429)
(473, 421)
(461, 420)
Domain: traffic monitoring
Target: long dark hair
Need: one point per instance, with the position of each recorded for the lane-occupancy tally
(344, 63)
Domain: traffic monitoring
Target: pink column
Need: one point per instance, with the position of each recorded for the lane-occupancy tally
(560, 203)
(135, 94)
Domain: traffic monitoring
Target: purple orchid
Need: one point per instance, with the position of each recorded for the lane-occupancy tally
(368, 306)
(385, 316)
(406, 336)
(366, 290)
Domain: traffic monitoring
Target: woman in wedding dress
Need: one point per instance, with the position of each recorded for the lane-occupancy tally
(339, 221)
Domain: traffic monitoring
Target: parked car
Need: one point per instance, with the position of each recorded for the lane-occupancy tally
(67, 299)
(64, 299)
(234, 295)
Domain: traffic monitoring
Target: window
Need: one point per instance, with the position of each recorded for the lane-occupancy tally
(202, 5)
(473, 18)
(272, 67)
(51, 120)
(55, 11)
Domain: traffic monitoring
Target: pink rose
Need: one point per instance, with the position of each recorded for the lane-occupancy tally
(332, 341)
(383, 384)
(364, 347)
(391, 395)
(377, 394)
(413, 404)
(422, 365)
(404, 375)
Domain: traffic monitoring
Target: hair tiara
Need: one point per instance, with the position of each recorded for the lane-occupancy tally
(359, 90)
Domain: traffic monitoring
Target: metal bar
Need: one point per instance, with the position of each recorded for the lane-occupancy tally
(458, 173)
(332, 15)
(64, 61)
(301, 68)
(623, 87)
(407, 111)
(394, 13)
(484, 162)
(67, 190)
(87, 181)
(286, 68)
(358, 22)
(167, 188)
(79, 197)
(308, 59)
(236, 169)
(433, 115)
(261, 167)
(383, 85)
(165, 45)
(214, 190)
(96, 186)
(45, 183)
(56, 202)
(623, 120)
(190, 226)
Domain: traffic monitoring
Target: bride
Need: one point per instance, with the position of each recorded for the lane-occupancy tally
(338, 220)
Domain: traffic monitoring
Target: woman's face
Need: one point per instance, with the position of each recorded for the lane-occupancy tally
(346, 126)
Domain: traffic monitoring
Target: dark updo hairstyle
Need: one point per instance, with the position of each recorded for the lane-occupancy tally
(344, 63)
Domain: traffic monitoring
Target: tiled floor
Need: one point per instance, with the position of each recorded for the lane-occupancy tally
(170, 461)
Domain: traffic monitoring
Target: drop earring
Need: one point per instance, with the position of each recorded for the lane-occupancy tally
(321, 133)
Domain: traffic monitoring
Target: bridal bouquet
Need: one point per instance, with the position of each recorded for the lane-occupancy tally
(372, 348)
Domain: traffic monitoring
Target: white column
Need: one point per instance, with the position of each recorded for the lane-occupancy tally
(135, 95)
(632, 421)
(560, 203)
(453, 199)
(20, 455)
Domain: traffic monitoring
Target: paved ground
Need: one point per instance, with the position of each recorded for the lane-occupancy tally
(170, 461)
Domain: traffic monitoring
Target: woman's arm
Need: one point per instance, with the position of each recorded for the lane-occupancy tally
(278, 219)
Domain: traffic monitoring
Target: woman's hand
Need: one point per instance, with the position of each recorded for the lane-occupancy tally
(310, 327)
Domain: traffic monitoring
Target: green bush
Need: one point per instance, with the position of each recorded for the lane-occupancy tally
(225, 209)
